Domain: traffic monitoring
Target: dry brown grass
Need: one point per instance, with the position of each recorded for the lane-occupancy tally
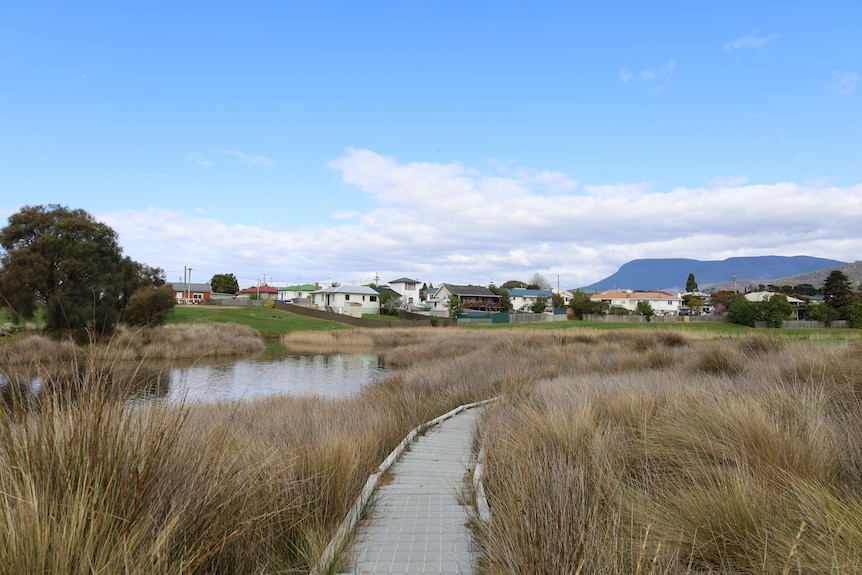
(172, 342)
(612, 452)
(712, 463)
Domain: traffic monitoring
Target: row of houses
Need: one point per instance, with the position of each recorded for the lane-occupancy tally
(664, 303)
(364, 300)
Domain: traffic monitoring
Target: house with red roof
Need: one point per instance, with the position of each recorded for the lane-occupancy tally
(263, 292)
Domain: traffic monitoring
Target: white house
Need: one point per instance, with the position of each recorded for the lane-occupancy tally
(297, 291)
(795, 303)
(523, 299)
(349, 300)
(566, 295)
(407, 288)
(661, 302)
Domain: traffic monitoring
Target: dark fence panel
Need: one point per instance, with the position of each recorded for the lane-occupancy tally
(362, 322)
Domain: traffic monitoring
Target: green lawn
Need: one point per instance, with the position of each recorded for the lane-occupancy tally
(266, 321)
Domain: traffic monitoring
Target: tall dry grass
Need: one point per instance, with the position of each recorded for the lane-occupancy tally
(733, 457)
(90, 483)
(170, 342)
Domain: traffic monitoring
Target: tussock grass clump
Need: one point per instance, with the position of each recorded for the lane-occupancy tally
(719, 359)
(37, 348)
(675, 471)
(179, 341)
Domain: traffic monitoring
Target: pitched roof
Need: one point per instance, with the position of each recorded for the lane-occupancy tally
(469, 290)
(259, 289)
(349, 289)
(404, 281)
(303, 287)
(636, 295)
(524, 292)
(180, 286)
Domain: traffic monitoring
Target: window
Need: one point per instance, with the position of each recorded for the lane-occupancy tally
(347, 297)
(373, 298)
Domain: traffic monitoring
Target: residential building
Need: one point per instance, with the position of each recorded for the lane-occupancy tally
(477, 298)
(355, 301)
(263, 292)
(662, 303)
(408, 289)
(523, 299)
(798, 306)
(191, 292)
(296, 291)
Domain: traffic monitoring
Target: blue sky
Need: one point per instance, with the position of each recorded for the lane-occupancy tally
(444, 141)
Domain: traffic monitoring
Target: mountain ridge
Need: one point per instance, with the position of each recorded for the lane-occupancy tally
(671, 274)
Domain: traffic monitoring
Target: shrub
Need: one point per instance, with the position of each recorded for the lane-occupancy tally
(149, 307)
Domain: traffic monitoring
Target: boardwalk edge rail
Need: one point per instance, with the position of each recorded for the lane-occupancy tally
(354, 515)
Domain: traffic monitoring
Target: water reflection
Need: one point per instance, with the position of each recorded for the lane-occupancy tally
(328, 375)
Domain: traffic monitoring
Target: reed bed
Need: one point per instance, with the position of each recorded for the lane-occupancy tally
(612, 451)
(731, 457)
(171, 342)
(93, 484)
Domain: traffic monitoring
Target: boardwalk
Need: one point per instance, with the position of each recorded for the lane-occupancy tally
(416, 524)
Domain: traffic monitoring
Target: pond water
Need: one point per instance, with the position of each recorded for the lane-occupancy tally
(326, 375)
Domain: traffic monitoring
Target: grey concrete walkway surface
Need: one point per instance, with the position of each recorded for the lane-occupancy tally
(416, 524)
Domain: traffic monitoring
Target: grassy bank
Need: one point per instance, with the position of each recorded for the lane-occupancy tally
(266, 321)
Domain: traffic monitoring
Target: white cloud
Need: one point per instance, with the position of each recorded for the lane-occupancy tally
(650, 75)
(845, 83)
(727, 181)
(200, 160)
(749, 41)
(448, 222)
(249, 159)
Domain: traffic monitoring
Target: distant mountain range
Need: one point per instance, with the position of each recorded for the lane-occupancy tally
(671, 274)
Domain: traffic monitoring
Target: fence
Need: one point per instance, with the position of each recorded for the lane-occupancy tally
(363, 322)
(609, 318)
(535, 317)
(808, 324)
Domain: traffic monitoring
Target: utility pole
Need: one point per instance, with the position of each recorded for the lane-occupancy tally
(734, 282)
(189, 287)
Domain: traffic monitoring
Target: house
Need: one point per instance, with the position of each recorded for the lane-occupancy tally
(355, 301)
(408, 289)
(191, 292)
(796, 304)
(662, 302)
(263, 292)
(523, 299)
(566, 295)
(296, 292)
(477, 298)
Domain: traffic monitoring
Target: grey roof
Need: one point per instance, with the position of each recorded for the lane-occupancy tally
(348, 289)
(404, 281)
(469, 290)
(180, 286)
